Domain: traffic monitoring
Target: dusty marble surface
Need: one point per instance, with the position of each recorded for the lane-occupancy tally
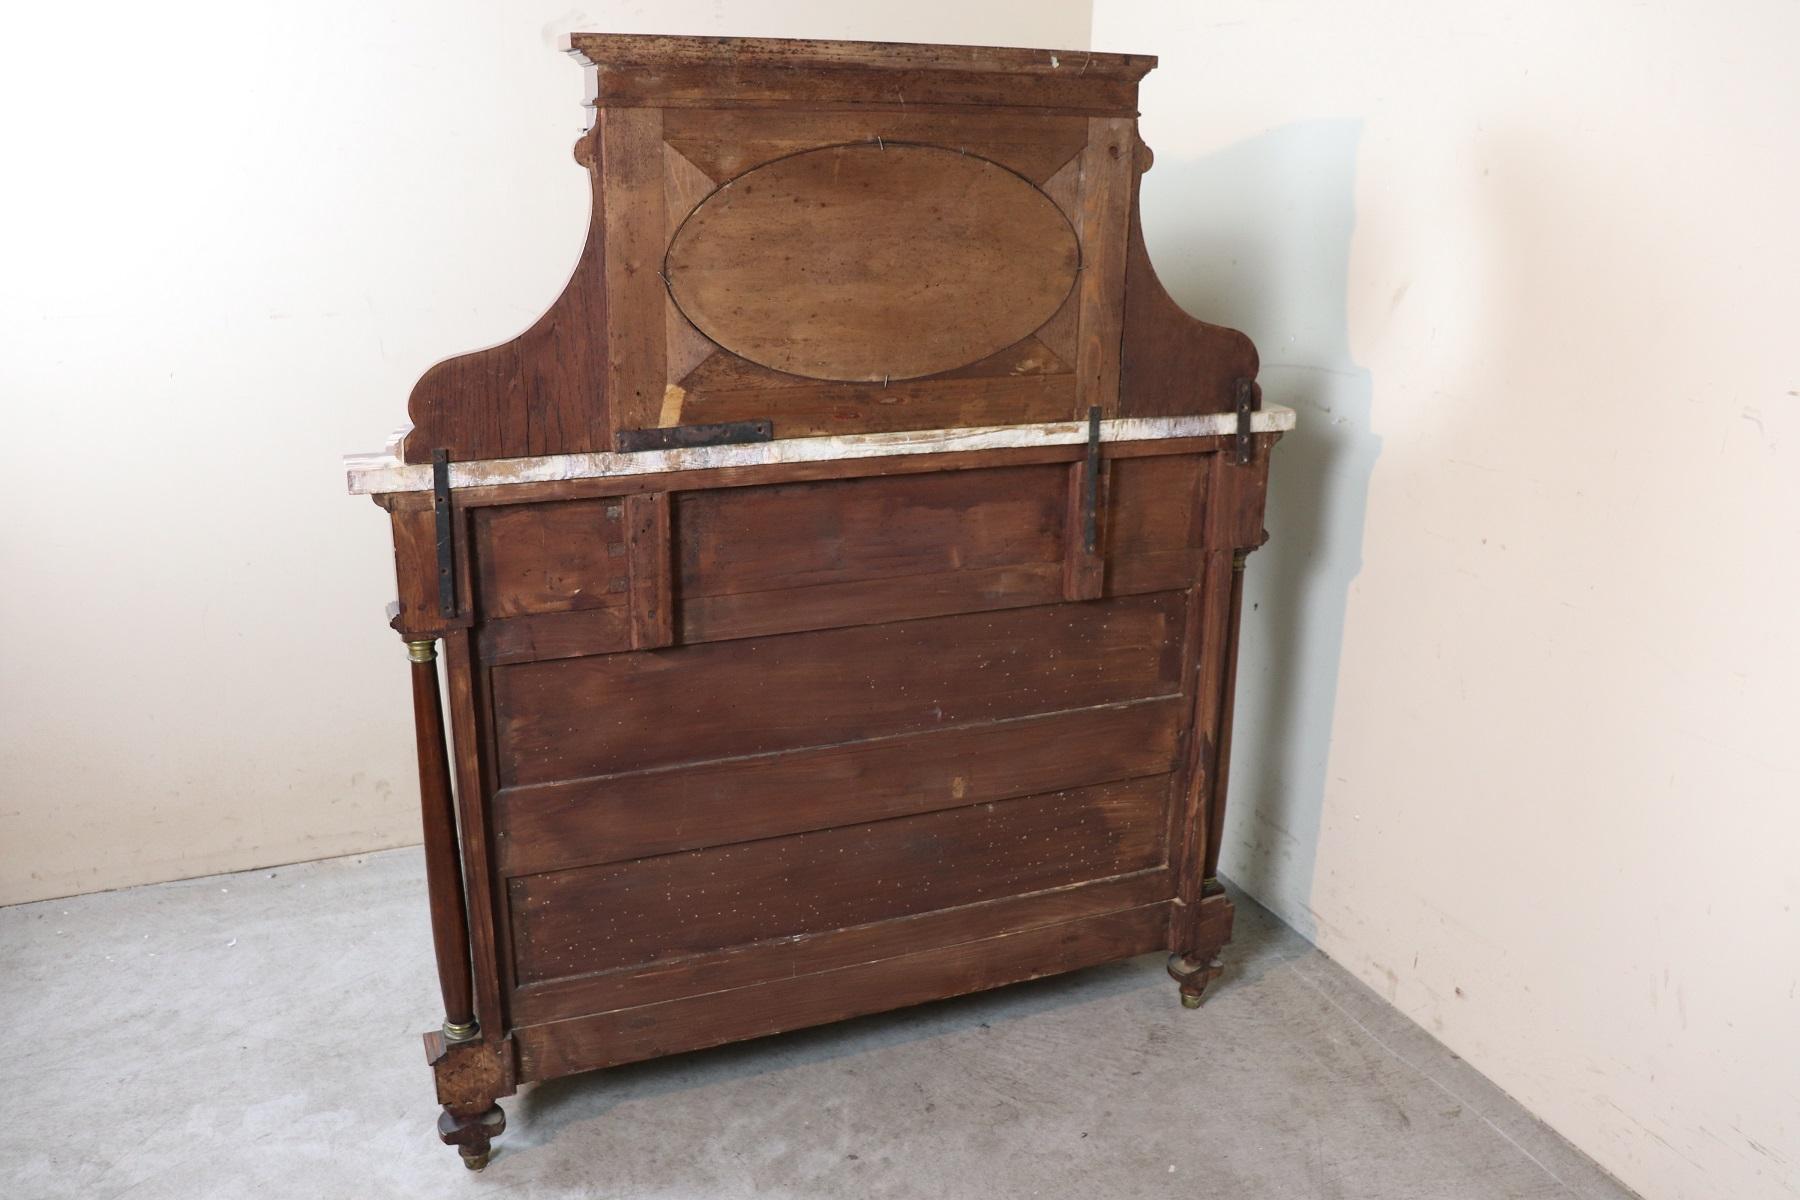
(369, 474)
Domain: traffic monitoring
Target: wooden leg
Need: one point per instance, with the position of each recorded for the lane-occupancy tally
(443, 864)
(473, 1136)
(1196, 967)
(471, 1075)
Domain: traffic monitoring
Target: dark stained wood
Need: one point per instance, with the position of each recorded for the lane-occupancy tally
(872, 262)
(647, 551)
(1170, 362)
(443, 865)
(632, 197)
(611, 1038)
(608, 818)
(544, 392)
(724, 143)
(1025, 383)
(802, 535)
(756, 963)
(551, 558)
(812, 58)
(601, 917)
(590, 716)
(1105, 205)
(745, 749)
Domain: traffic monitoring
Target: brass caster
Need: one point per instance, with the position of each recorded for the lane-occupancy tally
(1188, 1001)
(476, 1162)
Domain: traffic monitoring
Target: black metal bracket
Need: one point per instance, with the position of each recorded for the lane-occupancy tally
(1090, 492)
(1248, 399)
(446, 534)
(678, 437)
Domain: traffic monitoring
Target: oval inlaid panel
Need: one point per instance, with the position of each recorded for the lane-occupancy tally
(872, 262)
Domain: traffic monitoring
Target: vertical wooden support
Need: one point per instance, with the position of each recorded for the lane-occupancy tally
(1084, 563)
(1107, 167)
(647, 552)
(443, 865)
(1215, 814)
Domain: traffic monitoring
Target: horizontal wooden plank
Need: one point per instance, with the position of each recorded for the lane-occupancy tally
(547, 827)
(594, 918)
(593, 716)
(542, 636)
(727, 142)
(744, 966)
(799, 535)
(564, 1047)
(868, 602)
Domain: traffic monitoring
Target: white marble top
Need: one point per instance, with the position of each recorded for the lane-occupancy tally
(384, 472)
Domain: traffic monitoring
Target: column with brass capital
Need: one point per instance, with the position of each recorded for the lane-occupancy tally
(443, 862)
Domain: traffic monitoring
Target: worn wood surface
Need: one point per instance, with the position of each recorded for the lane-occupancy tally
(872, 262)
(747, 740)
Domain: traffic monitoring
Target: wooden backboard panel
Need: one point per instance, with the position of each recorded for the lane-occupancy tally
(872, 262)
(841, 238)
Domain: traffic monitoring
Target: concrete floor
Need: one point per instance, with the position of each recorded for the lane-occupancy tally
(256, 1036)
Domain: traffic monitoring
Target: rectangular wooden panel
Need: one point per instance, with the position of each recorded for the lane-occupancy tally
(797, 535)
(608, 1039)
(547, 558)
(594, 918)
(591, 716)
(761, 962)
(546, 827)
(1154, 523)
(647, 556)
(868, 601)
(1106, 175)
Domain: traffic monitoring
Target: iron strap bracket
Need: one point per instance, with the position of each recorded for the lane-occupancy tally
(1247, 399)
(677, 437)
(446, 534)
(1090, 484)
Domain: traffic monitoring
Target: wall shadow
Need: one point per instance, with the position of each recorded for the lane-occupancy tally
(1257, 236)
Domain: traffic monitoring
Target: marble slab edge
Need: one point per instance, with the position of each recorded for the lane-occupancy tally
(371, 474)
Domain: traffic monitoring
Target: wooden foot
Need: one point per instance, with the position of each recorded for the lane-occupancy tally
(473, 1136)
(471, 1075)
(1194, 977)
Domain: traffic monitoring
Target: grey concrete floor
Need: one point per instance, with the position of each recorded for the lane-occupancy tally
(257, 1036)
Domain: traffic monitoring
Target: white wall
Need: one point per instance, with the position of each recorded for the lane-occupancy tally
(231, 237)
(1518, 732)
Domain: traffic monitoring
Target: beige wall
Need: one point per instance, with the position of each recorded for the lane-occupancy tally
(1519, 734)
(231, 238)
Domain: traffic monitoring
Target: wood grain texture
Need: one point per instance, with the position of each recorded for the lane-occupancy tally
(1171, 362)
(727, 142)
(759, 744)
(814, 58)
(1106, 164)
(631, 208)
(872, 262)
(600, 917)
(1021, 384)
(549, 827)
(651, 596)
(590, 716)
(550, 557)
(786, 958)
(545, 391)
(609, 1039)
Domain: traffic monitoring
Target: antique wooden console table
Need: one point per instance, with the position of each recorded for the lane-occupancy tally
(839, 585)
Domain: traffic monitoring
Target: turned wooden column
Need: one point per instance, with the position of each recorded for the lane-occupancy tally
(443, 863)
(1215, 816)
